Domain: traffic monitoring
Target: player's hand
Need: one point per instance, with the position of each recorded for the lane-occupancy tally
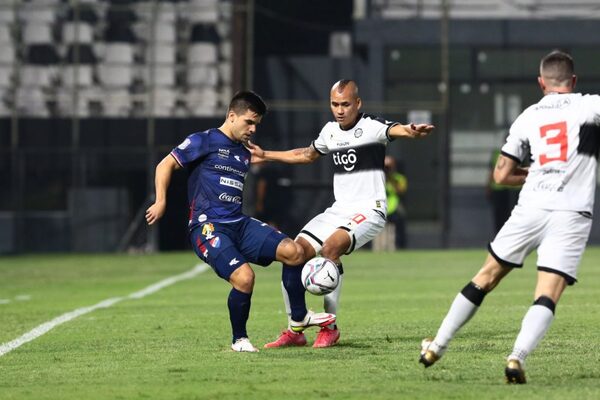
(258, 154)
(155, 212)
(419, 130)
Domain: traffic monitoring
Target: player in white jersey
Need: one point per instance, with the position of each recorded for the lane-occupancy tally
(553, 215)
(357, 143)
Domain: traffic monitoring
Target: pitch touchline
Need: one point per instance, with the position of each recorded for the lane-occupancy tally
(47, 326)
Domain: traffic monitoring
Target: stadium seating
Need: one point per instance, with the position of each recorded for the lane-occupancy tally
(162, 58)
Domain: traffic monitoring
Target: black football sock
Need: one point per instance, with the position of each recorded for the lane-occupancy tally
(291, 276)
(239, 311)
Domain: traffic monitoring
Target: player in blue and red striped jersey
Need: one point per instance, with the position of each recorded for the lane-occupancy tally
(217, 161)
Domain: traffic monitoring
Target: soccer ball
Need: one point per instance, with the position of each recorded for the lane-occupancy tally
(320, 276)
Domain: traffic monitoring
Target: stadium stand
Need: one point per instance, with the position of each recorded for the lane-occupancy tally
(477, 9)
(122, 57)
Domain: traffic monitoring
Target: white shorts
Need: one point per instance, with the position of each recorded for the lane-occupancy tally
(559, 236)
(361, 222)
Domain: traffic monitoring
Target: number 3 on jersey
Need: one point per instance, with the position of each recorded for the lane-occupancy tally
(555, 135)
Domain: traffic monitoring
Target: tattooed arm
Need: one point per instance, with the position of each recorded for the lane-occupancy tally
(303, 155)
(508, 172)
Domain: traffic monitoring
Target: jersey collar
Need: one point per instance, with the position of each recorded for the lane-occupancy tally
(358, 118)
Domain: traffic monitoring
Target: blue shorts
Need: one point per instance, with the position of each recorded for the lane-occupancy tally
(226, 246)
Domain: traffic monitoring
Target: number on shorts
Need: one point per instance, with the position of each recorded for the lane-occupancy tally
(358, 218)
(555, 134)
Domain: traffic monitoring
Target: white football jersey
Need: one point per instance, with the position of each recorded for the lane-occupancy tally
(562, 132)
(358, 154)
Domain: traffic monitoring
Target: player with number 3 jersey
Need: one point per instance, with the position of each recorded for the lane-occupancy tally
(554, 213)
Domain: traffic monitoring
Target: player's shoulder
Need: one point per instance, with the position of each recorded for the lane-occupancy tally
(590, 98)
(376, 120)
(330, 125)
(200, 135)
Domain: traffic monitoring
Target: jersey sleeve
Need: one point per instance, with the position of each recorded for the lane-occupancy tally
(195, 146)
(382, 128)
(593, 106)
(320, 144)
(517, 144)
(385, 129)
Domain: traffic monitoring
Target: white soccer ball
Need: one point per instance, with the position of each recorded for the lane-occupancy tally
(320, 276)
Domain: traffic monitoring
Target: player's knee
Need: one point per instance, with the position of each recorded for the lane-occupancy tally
(331, 251)
(490, 275)
(291, 253)
(243, 280)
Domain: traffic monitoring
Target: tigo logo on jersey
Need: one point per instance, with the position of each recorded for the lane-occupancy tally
(348, 160)
(207, 230)
(215, 242)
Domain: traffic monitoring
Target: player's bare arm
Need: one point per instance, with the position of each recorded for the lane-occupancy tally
(164, 170)
(508, 172)
(304, 155)
(410, 131)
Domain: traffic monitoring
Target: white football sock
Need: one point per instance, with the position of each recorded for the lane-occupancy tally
(331, 301)
(288, 308)
(533, 328)
(461, 311)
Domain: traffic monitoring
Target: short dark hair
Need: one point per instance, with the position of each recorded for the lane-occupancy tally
(247, 100)
(558, 65)
(342, 83)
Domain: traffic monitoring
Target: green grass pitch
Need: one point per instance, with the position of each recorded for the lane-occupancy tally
(174, 344)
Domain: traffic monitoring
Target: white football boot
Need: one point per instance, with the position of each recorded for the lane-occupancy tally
(243, 345)
(312, 319)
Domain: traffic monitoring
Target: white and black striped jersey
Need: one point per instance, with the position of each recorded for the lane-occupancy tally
(358, 154)
(562, 131)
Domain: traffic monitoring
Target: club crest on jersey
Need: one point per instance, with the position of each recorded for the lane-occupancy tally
(215, 242)
(358, 133)
(207, 230)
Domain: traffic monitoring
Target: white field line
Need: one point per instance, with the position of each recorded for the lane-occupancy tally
(47, 326)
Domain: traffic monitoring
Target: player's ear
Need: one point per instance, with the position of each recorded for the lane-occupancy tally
(574, 81)
(231, 116)
(359, 102)
(541, 83)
